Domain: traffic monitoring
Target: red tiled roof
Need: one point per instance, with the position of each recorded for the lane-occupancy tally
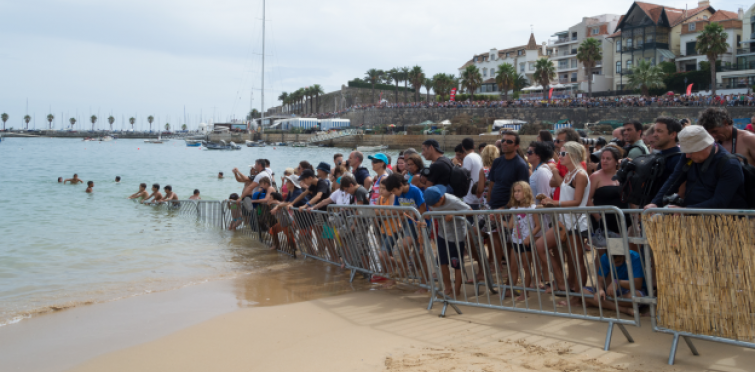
(532, 44)
(613, 35)
(723, 15)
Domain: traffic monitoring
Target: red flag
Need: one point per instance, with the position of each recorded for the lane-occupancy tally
(689, 89)
(550, 94)
(453, 95)
(381, 97)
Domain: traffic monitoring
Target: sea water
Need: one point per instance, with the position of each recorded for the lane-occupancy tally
(61, 247)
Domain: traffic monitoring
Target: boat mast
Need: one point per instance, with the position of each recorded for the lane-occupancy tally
(262, 117)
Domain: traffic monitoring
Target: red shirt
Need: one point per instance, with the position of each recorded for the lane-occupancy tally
(562, 171)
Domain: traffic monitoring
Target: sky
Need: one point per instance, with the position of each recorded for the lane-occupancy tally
(189, 61)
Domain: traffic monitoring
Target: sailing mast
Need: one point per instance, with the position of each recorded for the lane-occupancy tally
(262, 117)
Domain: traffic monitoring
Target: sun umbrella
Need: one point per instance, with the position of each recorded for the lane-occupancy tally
(392, 126)
(670, 93)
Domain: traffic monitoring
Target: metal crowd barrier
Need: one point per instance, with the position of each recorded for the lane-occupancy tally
(383, 241)
(314, 236)
(711, 252)
(573, 261)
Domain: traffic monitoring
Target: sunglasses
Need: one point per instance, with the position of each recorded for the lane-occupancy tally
(508, 142)
(557, 141)
(562, 154)
(530, 152)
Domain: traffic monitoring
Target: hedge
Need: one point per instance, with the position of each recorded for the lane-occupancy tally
(392, 88)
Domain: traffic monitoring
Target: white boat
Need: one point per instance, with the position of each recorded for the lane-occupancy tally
(255, 144)
(158, 140)
(299, 144)
(371, 148)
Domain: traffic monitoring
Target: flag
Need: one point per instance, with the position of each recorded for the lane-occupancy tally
(550, 94)
(453, 95)
(689, 89)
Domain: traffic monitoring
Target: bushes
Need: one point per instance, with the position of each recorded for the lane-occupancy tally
(362, 84)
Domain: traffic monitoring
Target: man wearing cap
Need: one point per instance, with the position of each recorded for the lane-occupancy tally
(361, 174)
(439, 172)
(720, 125)
(379, 165)
(713, 180)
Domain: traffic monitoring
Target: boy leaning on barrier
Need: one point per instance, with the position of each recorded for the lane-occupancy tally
(452, 233)
(407, 195)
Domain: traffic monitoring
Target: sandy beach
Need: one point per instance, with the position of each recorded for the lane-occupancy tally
(310, 318)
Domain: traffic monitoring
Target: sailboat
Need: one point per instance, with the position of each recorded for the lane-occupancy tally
(158, 140)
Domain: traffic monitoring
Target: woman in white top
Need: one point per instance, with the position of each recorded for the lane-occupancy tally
(575, 190)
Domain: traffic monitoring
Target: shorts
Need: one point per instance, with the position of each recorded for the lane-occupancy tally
(410, 230)
(388, 242)
(471, 218)
(328, 232)
(624, 291)
(452, 255)
(521, 248)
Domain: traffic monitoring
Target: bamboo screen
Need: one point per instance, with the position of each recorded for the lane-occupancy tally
(704, 269)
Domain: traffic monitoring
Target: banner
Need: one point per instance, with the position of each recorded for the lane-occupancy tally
(453, 95)
(689, 89)
(550, 94)
(381, 98)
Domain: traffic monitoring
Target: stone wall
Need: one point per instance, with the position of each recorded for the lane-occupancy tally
(578, 116)
(392, 141)
(347, 97)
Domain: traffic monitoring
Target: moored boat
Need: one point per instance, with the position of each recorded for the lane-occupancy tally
(193, 143)
(371, 148)
(220, 146)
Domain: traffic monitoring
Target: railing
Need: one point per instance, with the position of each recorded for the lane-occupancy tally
(591, 258)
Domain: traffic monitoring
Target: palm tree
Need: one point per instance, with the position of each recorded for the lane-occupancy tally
(131, 121)
(72, 121)
(712, 43)
(417, 78)
(471, 79)
(506, 77)
(183, 127)
(4, 118)
(27, 119)
(395, 75)
(521, 82)
(440, 84)
(405, 77)
(589, 53)
(94, 120)
(283, 98)
(429, 84)
(373, 76)
(544, 73)
(111, 120)
(317, 91)
(50, 118)
(150, 119)
(645, 76)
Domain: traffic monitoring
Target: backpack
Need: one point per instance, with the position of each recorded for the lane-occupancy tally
(631, 147)
(461, 180)
(748, 171)
(643, 183)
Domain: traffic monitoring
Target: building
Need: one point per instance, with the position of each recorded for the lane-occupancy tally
(651, 32)
(563, 52)
(522, 57)
(741, 74)
(689, 59)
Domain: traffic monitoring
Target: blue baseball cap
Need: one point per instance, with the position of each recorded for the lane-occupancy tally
(379, 156)
(433, 194)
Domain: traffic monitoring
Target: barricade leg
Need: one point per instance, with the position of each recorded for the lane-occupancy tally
(675, 345)
(609, 334)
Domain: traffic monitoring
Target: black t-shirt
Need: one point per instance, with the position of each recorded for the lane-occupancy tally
(440, 171)
(361, 196)
(361, 174)
(322, 186)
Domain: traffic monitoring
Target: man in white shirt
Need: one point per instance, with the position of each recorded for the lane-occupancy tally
(473, 163)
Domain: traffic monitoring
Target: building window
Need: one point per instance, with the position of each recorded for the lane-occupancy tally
(519, 52)
(532, 66)
(574, 36)
(485, 72)
(691, 48)
(629, 65)
(507, 55)
(595, 30)
(573, 63)
(563, 64)
(492, 57)
(573, 77)
(691, 27)
(629, 43)
(705, 17)
(618, 45)
(521, 67)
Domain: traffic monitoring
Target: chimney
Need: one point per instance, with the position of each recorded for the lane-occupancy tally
(545, 51)
(703, 3)
(741, 14)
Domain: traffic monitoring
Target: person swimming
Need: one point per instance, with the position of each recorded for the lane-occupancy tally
(117, 179)
(142, 193)
(169, 194)
(195, 196)
(90, 187)
(60, 179)
(156, 196)
(220, 175)
(74, 180)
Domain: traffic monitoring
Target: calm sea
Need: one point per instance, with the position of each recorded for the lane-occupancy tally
(62, 247)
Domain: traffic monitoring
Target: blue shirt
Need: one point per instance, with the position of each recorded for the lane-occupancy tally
(361, 174)
(505, 173)
(293, 194)
(412, 198)
(622, 271)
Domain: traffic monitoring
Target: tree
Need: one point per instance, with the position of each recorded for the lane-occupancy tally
(589, 53)
(373, 76)
(405, 77)
(417, 78)
(428, 84)
(4, 117)
(72, 121)
(712, 43)
(521, 82)
(50, 118)
(471, 79)
(283, 98)
(150, 119)
(131, 121)
(544, 73)
(253, 114)
(111, 120)
(645, 76)
(317, 91)
(94, 120)
(183, 127)
(167, 126)
(505, 78)
(27, 119)
(395, 75)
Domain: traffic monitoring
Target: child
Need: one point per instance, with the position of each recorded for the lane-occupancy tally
(90, 185)
(142, 193)
(195, 196)
(387, 227)
(156, 196)
(235, 211)
(452, 233)
(520, 225)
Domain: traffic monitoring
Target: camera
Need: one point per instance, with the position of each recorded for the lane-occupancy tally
(625, 168)
(673, 199)
(618, 142)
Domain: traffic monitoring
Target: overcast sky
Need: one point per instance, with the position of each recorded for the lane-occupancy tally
(77, 58)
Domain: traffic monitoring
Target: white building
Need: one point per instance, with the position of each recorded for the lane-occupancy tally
(741, 74)
(689, 59)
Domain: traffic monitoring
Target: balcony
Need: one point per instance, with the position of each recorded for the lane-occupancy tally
(741, 51)
(738, 67)
(563, 81)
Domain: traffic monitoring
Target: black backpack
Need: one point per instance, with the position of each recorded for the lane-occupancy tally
(461, 180)
(643, 182)
(748, 171)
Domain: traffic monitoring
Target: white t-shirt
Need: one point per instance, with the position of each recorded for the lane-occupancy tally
(540, 181)
(473, 163)
(263, 174)
(340, 197)
(523, 224)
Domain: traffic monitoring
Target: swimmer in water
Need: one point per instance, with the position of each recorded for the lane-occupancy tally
(156, 196)
(169, 194)
(142, 193)
(74, 180)
(90, 186)
(117, 179)
(195, 196)
(235, 211)
(220, 175)
(60, 179)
